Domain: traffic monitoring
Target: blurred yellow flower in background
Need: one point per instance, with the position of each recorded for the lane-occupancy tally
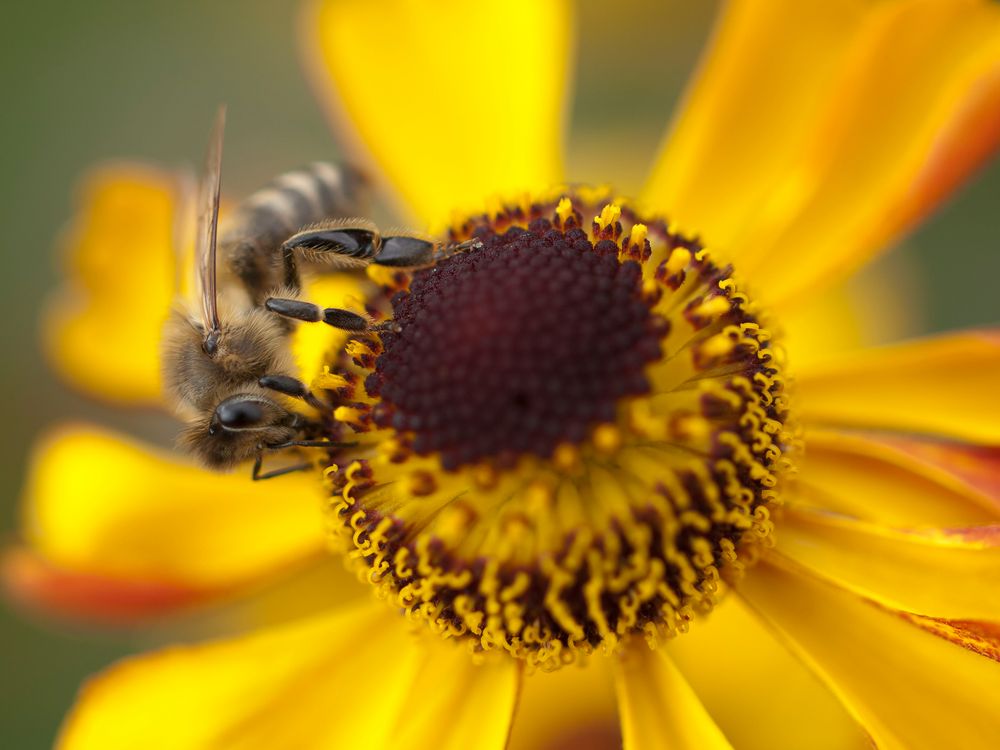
(811, 139)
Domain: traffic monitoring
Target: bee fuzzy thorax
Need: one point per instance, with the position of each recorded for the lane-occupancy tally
(566, 434)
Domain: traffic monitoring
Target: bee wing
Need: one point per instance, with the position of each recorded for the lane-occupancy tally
(208, 223)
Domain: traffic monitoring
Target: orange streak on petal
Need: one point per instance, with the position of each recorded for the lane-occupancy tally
(970, 139)
(976, 465)
(979, 637)
(36, 584)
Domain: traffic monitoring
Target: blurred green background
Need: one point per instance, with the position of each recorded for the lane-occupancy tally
(104, 79)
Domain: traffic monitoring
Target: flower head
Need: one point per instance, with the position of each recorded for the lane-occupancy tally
(562, 434)
(585, 428)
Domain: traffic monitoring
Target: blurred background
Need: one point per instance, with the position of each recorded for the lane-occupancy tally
(106, 79)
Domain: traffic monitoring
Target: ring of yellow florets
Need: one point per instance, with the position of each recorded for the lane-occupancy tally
(561, 530)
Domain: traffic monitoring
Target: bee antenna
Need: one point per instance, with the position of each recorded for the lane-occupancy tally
(208, 230)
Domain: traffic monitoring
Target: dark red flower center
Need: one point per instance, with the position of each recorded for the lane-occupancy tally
(526, 343)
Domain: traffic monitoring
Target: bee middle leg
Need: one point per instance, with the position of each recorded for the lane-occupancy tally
(345, 320)
(292, 387)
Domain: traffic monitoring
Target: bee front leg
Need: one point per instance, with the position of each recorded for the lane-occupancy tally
(257, 476)
(311, 444)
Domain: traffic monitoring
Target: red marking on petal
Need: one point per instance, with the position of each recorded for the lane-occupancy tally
(980, 637)
(41, 586)
(985, 536)
(971, 138)
(976, 465)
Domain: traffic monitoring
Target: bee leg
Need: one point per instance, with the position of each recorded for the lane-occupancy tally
(411, 252)
(449, 250)
(335, 243)
(405, 252)
(311, 444)
(257, 476)
(310, 313)
(292, 387)
(290, 270)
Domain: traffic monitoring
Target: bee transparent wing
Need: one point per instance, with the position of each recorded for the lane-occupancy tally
(208, 225)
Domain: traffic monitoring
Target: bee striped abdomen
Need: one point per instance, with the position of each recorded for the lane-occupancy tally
(252, 239)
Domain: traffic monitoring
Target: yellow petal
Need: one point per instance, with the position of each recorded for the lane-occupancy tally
(815, 136)
(455, 704)
(944, 385)
(455, 102)
(316, 587)
(97, 503)
(573, 707)
(351, 680)
(909, 688)
(953, 574)
(871, 480)
(102, 331)
(748, 112)
(658, 708)
(976, 465)
(759, 694)
(880, 304)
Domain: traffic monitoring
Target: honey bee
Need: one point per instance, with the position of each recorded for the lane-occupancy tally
(229, 369)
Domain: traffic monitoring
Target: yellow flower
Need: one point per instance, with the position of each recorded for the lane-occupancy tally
(825, 524)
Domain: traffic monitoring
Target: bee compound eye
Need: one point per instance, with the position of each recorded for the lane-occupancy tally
(239, 414)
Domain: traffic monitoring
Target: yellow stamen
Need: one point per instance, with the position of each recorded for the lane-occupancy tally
(358, 349)
(638, 235)
(679, 258)
(420, 483)
(329, 381)
(349, 414)
(485, 476)
(566, 457)
(607, 439)
(713, 307)
(565, 209)
(382, 275)
(608, 216)
(715, 347)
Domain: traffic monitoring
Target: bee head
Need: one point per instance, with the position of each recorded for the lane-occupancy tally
(239, 429)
